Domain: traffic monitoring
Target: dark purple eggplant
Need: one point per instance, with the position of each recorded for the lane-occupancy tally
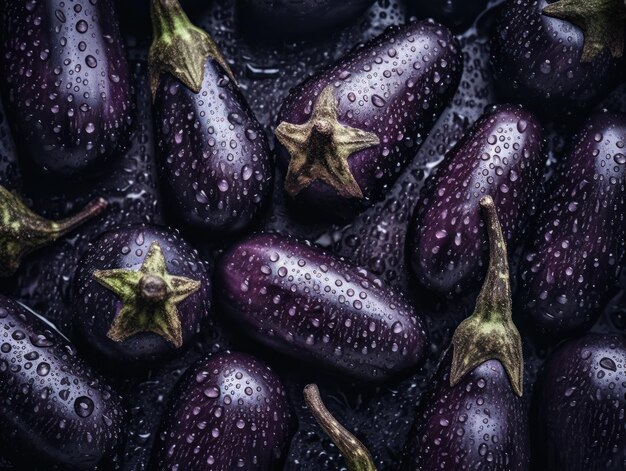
(346, 133)
(22, 231)
(474, 418)
(66, 83)
(500, 156)
(456, 14)
(307, 303)
(573, 258)
(297, 17)
(53, 407)
(582, 399)
(214, 159)
(139, 294)
(556, 55)
(229, 411)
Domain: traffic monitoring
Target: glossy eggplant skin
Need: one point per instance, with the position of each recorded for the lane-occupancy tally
(307, 303)
(582, 398)
(457, 14)
(298, 17)
(214, 159)
(395, 86)
(501, 156)
(478, 424)
(95, 306)
(229, 411)
(536, 60)
(53, 407)
(66, 83)
(576, 249)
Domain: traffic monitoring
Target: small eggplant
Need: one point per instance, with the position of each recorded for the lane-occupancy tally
(298, 17)
(53, 407)
(66, 83)
(22, 231)
(229, 411)
(346, 133)
(577, 250)
(558, 55)
(474, 417)
(582, 398)
(457, 14)
(500, 156)
(307, 303)
(139, 294)
(214, 158)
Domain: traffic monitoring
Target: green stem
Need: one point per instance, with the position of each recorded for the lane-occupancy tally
(91, 210)
(357, 457)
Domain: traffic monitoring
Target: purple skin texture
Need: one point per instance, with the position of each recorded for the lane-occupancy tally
(214, 159)
(314, 306)
(66, 83)
(573, 258)
(479, 424)
(582, 396)
(53, 407)
(536, 60)
(458, 14)
(229, 411)
(95, 306)
(395, 86)
(501, 156)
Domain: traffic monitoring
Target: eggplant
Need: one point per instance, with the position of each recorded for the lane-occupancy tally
(500, 156)
(214, 159)
(311, 305)
(229, 411)
(473, 416)
(297, 18)
(22, 231)
(53, 407)
(558, 56)
(139, 295)
(346, 133)
(576, 250)
(456, 14)
(582, 398)
(66, 84)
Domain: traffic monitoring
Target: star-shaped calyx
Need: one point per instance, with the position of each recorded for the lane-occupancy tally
(149, 297)
(602, 22)
(320, 149)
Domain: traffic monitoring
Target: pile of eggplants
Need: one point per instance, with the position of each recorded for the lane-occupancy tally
(219, 328)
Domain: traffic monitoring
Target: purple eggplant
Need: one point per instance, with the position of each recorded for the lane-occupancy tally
(582, 399)
(500, 156)
(558, 55)
(474, 417)
(307, 303)
(66, 83)
(294, 18)
(214, 158)
(53, 407)
(575, 254)
(346, 133)
(229, 411)
(22, 231)
(139, 294)
(457, 14)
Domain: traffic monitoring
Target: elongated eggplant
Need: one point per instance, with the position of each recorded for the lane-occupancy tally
(574, 257)
(229, 411)
(582, 398)
(307, 303)
(457, 14)
(139, 294)
(66, 84)
(500, 156)
(558, 54)
(22, 231)
(214, 158)
(53, 407)
(297, 17)
(346, 133)
(474, 416)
